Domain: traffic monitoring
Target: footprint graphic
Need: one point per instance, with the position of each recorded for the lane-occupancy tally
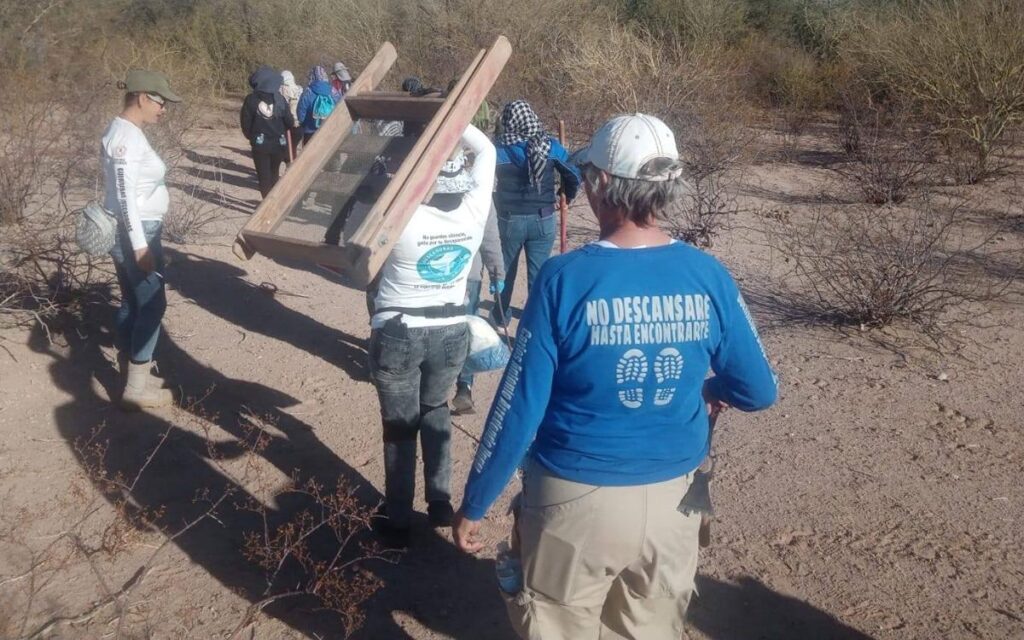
(668, 368)
(631, 368)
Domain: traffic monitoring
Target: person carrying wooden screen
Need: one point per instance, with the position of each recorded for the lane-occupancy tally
(607, 389)
(420, 339)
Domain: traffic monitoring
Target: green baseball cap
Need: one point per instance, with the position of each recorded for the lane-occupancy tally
(142, 81)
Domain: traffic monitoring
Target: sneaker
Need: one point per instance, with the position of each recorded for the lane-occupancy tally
(440, 513)
(391, 537)
(462, 403)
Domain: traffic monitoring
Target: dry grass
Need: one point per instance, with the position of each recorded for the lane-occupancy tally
(961, 66)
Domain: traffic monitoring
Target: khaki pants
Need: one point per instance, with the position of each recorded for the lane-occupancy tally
(603, 562)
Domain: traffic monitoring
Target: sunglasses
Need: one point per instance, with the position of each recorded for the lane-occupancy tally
(157, 99)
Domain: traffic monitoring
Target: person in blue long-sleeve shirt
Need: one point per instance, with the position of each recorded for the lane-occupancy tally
(608, 391)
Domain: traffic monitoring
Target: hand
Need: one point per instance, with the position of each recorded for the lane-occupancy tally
(714, 405)
(466, 533)
(497, 286)
(144, 258)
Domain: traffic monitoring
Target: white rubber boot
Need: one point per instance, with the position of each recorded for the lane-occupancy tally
(142, 390)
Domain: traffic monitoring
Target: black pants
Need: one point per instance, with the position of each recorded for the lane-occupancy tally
(268, 168)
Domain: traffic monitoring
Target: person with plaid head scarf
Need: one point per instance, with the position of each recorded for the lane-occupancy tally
(525, 197)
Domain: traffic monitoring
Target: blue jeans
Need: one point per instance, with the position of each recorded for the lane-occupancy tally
(535, 234)
(472, 304)
(414, 370)
(143, 300)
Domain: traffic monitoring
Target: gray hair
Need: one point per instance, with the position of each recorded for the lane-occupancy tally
(641, 200)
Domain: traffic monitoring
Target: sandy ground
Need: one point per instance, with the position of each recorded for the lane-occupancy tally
(876, 500)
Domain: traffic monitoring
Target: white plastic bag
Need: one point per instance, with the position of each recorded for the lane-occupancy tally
(487, 351)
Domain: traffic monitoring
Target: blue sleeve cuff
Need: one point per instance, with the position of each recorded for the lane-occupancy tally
(472, 511)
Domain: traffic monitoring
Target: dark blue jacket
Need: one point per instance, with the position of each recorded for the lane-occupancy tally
(305, 106)
(515, 195)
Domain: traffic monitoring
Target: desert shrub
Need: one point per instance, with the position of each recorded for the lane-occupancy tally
(812, 26)
(613, 69)
(873, 267)
(191, 217)
(705, 210)
(888, 154)
(790, 81)
(714, 138)
(961, 66)
(700, 23)
(45, 172)
(49, 168)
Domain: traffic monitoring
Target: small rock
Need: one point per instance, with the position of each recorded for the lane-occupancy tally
(942, 377)
(892, 623)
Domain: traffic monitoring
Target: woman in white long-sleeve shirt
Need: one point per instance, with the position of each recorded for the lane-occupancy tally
(419, 338)
(135, 191)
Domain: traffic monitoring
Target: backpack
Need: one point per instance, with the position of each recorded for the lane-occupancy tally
(323, 106)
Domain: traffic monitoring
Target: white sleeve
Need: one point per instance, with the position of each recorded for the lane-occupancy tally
(483, 167)
(126, 156)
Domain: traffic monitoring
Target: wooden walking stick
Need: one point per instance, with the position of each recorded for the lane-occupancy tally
(291, 150)
(563, 205)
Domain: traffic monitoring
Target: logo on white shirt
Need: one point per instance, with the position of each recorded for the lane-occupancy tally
(443, 263)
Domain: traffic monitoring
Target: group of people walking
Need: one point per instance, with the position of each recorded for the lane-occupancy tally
(279, 115)
(605, 403)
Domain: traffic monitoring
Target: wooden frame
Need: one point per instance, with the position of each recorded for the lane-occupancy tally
(338, 170)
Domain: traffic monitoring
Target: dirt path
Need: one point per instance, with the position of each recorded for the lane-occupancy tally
(875, 500)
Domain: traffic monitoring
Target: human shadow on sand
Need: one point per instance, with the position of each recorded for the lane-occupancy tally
(221, 289)
(749, 610)
(216, 197)
(445, 591)
(218, 163)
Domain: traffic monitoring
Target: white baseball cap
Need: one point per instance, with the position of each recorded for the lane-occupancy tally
(625, 145)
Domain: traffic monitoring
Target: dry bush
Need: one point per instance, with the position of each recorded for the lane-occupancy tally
(713, 141)
(888, 154)
(290, 556)
(700, 23)
(613, 69)
(960, 64)
(873, 267)
(705, 211)
(787, 79)
(616, 69)
(191, 216)
(45, 172)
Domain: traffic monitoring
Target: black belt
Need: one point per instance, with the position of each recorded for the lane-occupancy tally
(438, 311)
